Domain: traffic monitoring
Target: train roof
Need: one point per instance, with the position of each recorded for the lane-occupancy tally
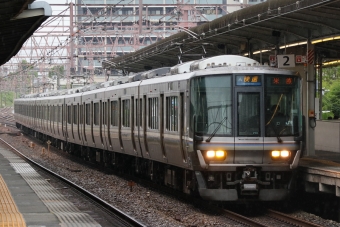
(225, 63)
(222, 61)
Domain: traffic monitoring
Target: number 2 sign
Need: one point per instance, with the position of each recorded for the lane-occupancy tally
(286, 60)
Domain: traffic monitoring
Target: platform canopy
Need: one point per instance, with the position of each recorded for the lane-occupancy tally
(265, 27)
(19, 19)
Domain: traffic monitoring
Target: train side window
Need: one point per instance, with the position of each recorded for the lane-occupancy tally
(153, 113)
(96, 114)
(75, 114)
(48, 113)
(69, 119)
(171, 113)
(105, 113)
(126, 113)
(81, 114)
(43, 112)
(60, 113)
(114, 113)
(52, 113)
(139, 112)
(88, 114)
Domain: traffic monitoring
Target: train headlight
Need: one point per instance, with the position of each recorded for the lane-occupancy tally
(210, 154)
(213, 155)
(275, 154)
(284, 154)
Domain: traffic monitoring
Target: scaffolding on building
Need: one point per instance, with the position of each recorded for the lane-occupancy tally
(69, 48)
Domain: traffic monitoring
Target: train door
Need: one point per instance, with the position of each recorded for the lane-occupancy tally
(248, 130)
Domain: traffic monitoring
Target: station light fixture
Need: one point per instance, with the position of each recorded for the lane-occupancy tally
(281, 47)
(261, 51)
(331, 63)
(293, 44)
(325, 39)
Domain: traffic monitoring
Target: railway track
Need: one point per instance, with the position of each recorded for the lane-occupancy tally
(269, 218)
(6, 117)
(287, 219)
(122, 218)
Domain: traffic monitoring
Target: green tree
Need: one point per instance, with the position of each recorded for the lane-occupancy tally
(331, 100)
(57, 70)
(6, 99)
(329, 76)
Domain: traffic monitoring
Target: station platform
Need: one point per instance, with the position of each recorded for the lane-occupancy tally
(27, 199)
(321, 173)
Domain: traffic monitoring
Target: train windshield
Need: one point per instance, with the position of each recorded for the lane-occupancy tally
(281, 100)
(211, 103)
(273, 99)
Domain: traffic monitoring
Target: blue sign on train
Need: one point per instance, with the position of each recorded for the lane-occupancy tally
(248, 80)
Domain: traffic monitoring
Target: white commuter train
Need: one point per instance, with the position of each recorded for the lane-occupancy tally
(225, 127)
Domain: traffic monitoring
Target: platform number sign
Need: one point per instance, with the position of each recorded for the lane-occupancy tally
(286, 61)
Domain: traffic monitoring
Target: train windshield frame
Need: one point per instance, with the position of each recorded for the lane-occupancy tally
(213, 113)
(282, 103)
(272, 101)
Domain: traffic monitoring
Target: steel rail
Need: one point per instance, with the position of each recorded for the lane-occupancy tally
(128, 219)
(289, 219)
(242, 219)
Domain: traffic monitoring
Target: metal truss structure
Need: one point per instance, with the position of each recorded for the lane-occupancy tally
(69, 48)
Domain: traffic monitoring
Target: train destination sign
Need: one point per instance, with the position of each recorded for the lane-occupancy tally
(282, 81)
(248, 80)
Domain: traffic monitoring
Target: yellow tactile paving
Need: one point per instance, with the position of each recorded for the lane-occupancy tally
(9, 213)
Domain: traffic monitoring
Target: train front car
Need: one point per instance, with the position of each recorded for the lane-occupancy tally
(246, 129)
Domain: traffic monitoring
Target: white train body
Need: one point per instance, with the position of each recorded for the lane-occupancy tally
(209, 130)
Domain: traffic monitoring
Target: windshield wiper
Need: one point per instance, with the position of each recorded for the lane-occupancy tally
(216, 129)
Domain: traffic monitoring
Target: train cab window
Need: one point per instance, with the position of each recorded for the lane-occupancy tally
(126, 113)
(282, 97)
(75, 114)
(171, 113)
(248, 112)
(96, 114)
(114, 113)
(211, 103)
(153, 113)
